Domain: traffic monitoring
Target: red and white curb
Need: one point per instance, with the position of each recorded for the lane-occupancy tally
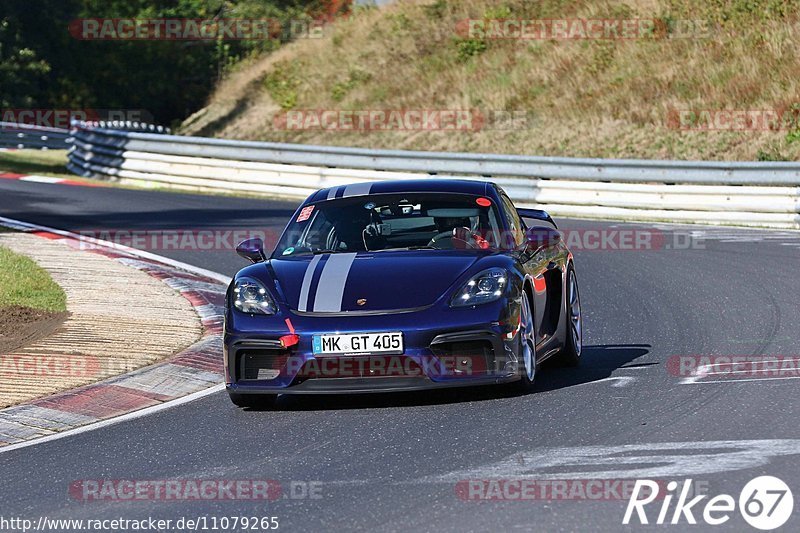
(195, 372)
(47, 179)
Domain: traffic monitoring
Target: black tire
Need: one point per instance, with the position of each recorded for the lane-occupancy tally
(527, 342)
(570, 354)
(253, 401)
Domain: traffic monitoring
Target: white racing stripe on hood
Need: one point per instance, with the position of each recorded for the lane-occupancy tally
(302, 303)
(330, 290)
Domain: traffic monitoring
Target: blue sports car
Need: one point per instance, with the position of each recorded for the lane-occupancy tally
(401, 286)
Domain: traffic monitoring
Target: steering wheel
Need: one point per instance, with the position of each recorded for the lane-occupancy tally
(456, 237)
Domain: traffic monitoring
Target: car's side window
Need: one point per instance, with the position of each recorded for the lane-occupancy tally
(515, 224)
(317, 233)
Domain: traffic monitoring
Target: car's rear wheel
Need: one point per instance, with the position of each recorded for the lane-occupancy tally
(527, 347)
(570, 354)
(254, 401)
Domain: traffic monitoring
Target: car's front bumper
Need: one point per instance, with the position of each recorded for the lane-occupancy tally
(450, 348)
(365, 385)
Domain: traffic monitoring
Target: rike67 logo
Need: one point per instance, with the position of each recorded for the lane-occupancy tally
(766, 503)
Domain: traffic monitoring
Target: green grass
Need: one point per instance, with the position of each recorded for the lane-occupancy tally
(42, 162)
(26, 284)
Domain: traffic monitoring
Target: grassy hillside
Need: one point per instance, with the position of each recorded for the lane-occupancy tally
(603, 98)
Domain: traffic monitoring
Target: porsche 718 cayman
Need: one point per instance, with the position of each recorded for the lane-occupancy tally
(401, 286)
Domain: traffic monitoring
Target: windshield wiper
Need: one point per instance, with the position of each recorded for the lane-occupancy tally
(421, 247)
(317, 252)
(425, 247)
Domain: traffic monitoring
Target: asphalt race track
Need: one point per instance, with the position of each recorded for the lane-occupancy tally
(394, 463)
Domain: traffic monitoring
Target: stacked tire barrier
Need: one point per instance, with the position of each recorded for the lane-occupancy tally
(763, 194)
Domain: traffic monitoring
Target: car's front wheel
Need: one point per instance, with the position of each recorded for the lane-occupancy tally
(254, 401)
(527, 347)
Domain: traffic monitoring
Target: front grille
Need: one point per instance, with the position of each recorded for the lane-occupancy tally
(471, 357)
(358, 367)
(260, 364)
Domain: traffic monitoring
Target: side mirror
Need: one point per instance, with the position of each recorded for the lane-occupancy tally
(539, 237)
(252, 250)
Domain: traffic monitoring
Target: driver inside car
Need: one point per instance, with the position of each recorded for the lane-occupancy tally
(356, 231)
(453, 232)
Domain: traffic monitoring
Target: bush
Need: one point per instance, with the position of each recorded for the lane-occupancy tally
(282, 83)
(467, 48)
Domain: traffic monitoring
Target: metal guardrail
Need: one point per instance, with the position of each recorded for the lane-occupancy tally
(125, 126)
(743, 193)
(20, 136)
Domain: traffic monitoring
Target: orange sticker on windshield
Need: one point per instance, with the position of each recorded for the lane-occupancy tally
(483, 202)
(305, 213)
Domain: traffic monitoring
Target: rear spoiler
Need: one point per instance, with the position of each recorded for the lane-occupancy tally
(538, 214)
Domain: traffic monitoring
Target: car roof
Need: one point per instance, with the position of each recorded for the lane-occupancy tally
(463, 186)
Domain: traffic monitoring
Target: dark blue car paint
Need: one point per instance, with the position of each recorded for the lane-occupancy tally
(408, 291)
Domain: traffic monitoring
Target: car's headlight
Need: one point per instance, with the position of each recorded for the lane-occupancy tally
(486, 286)
(250, 296)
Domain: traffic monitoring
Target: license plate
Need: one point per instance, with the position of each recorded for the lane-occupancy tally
(359, 343)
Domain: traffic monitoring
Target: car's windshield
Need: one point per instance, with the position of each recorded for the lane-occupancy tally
(391, 221)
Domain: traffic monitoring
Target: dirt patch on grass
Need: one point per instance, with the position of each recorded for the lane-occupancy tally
(20, 326)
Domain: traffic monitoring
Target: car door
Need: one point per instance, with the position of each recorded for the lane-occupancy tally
(546, 268)
(535, 266)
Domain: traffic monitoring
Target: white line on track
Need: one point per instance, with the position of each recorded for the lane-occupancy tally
(626, 461)
(616, 381)
(117, 419)
(42, 179)
(141, 412)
